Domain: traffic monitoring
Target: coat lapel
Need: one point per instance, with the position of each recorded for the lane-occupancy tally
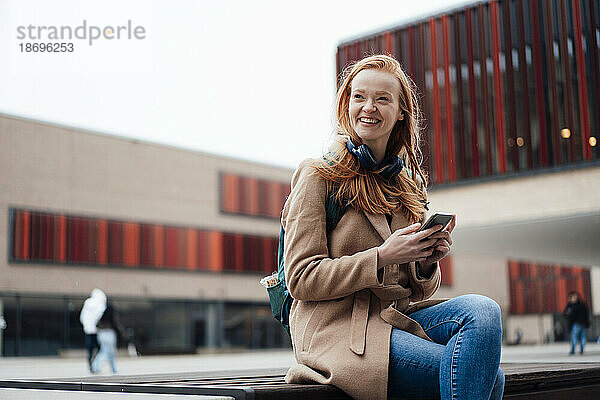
(380, 224)
(399, 221)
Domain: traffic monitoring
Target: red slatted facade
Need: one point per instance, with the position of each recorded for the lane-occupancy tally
(251, 196)
(542, 288)
(44, 237)
(515, 73)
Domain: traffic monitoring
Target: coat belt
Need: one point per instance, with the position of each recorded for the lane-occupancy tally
(392, 316)
(358, 323)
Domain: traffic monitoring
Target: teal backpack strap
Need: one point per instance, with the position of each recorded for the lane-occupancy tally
(279, 295)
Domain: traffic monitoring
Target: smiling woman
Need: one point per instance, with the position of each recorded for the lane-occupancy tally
(362, 289)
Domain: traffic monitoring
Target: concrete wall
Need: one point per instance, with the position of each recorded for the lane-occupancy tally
(534, 327)
(533, 197)
(481, 275)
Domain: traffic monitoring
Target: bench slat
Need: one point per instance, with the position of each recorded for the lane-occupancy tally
(543, 381)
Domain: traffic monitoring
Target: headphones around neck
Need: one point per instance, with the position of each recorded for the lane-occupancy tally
(368, 162)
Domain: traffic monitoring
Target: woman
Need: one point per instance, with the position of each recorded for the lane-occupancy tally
(361, 319)
(91, 312)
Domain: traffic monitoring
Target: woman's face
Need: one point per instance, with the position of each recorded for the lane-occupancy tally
(374, 107)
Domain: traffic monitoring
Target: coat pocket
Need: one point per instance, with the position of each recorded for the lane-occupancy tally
(311, 326)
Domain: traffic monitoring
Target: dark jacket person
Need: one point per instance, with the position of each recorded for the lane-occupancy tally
(578, 320)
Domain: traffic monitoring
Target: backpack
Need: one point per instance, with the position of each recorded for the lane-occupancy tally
(279, 296)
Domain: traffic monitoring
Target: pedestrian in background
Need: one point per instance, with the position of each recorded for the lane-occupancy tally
(578, 320)
(109, 327)
(92, 310)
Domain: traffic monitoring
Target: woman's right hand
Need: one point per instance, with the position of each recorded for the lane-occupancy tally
(407, 245)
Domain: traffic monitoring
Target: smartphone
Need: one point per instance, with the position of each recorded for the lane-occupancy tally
(437, 219)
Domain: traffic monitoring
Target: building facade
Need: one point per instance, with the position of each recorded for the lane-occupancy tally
(177, 239)
(510, 96)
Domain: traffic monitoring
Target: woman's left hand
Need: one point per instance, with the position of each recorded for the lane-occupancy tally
(441, 247)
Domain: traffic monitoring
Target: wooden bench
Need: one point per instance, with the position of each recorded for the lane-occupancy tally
(537, 381)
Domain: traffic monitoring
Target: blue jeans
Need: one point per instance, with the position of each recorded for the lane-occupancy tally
(464, 361)
(108, 345)
(577, 334)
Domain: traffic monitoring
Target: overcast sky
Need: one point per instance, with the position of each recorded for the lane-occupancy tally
(247, 79)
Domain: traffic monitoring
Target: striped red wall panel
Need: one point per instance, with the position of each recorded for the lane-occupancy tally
(146, 245)
(511, 112)
(450, 164)
(389, 46)
(229, 195)
(159, 243)
(581, 81)
(91, 252)
(60, 235)
(241, 254)
(524, 116)
(131, 244)
(263, 199)
(461, 165)
(438, 167)
(593, 25)
(171, 250)
(538, 78)
(446, 270)
(191, 258)
(202, 250)
(216, 251)
(115, 243)
(35, 237)
(229, 249)
(243, 200)
(498, 86)
(17, 235)
(565, 61)
(252, 196)
(472, 94)
(102, 244)
(550, 64)
(270, 258)
(483, 37)
(250, 259)
(421, 51)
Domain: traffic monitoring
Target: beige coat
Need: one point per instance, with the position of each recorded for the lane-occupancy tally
(344, 308)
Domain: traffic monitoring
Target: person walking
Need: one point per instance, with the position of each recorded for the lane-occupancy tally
(362, 318)
(109, 327)
(578, 320)
(92, 310)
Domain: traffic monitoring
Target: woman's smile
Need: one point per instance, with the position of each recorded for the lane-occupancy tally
(369, 121)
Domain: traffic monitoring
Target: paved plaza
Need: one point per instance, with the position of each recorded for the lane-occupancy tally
(72, 367)
(56, 367)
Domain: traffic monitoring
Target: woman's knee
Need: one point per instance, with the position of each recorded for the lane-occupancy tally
(484, 311)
